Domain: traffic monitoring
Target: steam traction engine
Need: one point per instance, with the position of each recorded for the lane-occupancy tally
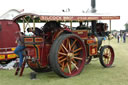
(66, 50)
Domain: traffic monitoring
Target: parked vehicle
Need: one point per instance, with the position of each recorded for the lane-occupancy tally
(8, 28)
(7, 40)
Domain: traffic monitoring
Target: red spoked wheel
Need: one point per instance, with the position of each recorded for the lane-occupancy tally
(67, 55)
(107, 56)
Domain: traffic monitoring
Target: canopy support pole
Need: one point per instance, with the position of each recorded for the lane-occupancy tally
(110, 25)
(71, 24)
(24, 25)
(33, 24)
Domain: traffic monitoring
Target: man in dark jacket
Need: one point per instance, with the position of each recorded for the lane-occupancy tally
(37, 31)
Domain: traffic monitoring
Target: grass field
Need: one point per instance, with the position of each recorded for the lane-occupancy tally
(92, 74)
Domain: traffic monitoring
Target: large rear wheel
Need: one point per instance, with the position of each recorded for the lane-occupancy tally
(67, 55)
(107, 56)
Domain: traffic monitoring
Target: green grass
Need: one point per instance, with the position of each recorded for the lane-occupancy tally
(92, 74)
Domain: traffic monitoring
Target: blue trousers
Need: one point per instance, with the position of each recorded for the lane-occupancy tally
(19, 52)
(124, 40)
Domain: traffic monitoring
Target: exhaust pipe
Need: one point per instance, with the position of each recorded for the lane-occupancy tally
(93, 5)
(93, 10)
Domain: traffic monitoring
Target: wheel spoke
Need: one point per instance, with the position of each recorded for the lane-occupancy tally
(61, 48)
(69, 69)
(75, 54)
(64, 54)
(104, 59)
(70, 65)
(73, 43)
(69, 46)
(78, 58)
(74, 61)
(74, 65)
(107, 51)
(65, 48)
(62, 60)
(64, 66)
(77, 49)
(73, 48)
(109, 54)
(60, 57)
(67, 43)
(108, 61)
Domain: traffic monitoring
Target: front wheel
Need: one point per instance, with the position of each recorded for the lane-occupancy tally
(67, 55)
(107, 56)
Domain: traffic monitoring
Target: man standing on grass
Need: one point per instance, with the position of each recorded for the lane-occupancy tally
(118, 38)
(124, 37)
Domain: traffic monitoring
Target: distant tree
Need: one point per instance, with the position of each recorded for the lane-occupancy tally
(126, 26)
(114, 31)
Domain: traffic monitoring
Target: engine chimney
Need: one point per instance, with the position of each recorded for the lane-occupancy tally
(93, 10)
(93, 5)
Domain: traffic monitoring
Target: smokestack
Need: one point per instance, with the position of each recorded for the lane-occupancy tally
(93, 5)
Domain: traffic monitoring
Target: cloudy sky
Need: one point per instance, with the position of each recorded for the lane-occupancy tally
(118, 7)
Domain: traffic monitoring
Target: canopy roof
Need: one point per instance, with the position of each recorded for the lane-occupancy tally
(69, 16)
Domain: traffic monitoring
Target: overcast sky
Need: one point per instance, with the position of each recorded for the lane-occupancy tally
(118, 7)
